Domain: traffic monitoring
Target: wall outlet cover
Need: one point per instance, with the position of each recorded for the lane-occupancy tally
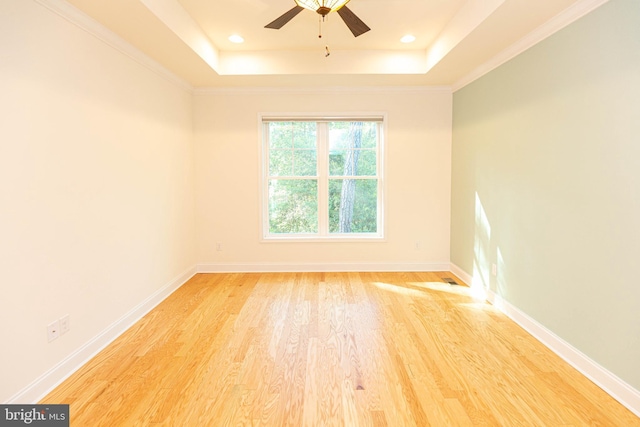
(65, 324)
(53, 330)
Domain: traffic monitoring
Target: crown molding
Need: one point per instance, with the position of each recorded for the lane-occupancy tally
(555, 24)
(93, 27)
(248, 90)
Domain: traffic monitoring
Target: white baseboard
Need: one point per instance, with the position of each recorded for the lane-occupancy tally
(40, 387)
(463, 275)
(213, 267)
(610, 383)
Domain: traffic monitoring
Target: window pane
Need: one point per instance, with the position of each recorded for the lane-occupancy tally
(347, 155)
(280, 163)
(337, 161)
(353, 205)
(280, 135)
(353, 135)
(304, 134)
(369, 135)
(339, 135)
(293, 206)
(292, 134)
(305, 163)
(352, 163)
(366, 163)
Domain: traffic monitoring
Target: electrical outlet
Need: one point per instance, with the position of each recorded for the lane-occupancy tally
(53, 330)
(417, 245)
(494, 269)
(218, 246)
(65, 324)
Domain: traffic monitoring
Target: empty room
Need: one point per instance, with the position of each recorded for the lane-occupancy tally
(301, 212)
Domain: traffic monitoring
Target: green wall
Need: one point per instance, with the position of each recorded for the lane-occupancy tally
(546, 184)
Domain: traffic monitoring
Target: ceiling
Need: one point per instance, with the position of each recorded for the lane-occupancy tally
(453, 39)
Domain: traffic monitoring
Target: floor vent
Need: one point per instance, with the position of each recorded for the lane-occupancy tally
(449, 280)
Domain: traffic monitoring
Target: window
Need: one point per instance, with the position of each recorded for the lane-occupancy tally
(322, 178)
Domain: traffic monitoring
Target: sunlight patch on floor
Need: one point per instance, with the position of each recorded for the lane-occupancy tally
(420, 289)
(399, 289)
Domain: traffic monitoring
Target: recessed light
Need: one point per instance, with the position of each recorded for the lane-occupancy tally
(236, 39)
(408, 39)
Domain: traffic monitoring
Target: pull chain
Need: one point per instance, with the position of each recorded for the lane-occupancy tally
(326, 47)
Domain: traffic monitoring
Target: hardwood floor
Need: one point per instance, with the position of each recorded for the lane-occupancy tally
(325, 349)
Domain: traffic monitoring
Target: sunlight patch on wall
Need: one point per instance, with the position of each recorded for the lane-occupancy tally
(481, 250)
(501, 286)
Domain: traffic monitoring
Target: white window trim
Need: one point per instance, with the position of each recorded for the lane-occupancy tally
(263, 219)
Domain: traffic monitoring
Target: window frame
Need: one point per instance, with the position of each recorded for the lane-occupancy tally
(323, 177)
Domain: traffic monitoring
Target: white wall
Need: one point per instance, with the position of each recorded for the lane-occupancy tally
(96, 188)
(417, 177)
(546, 185)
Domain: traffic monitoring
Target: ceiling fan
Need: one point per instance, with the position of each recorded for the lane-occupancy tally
(323, 7)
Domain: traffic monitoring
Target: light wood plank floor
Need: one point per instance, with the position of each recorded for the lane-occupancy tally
(325, 349)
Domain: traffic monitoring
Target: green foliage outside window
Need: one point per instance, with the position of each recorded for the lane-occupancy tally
(351, 180)
(293, 206)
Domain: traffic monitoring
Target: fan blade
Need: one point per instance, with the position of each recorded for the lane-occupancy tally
(354, 23)
(286, 17)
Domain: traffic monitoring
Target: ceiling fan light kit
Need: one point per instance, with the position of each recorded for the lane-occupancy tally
(323, 7)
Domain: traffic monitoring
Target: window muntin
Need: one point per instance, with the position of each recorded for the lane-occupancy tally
(322, 178)
(292, 149)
